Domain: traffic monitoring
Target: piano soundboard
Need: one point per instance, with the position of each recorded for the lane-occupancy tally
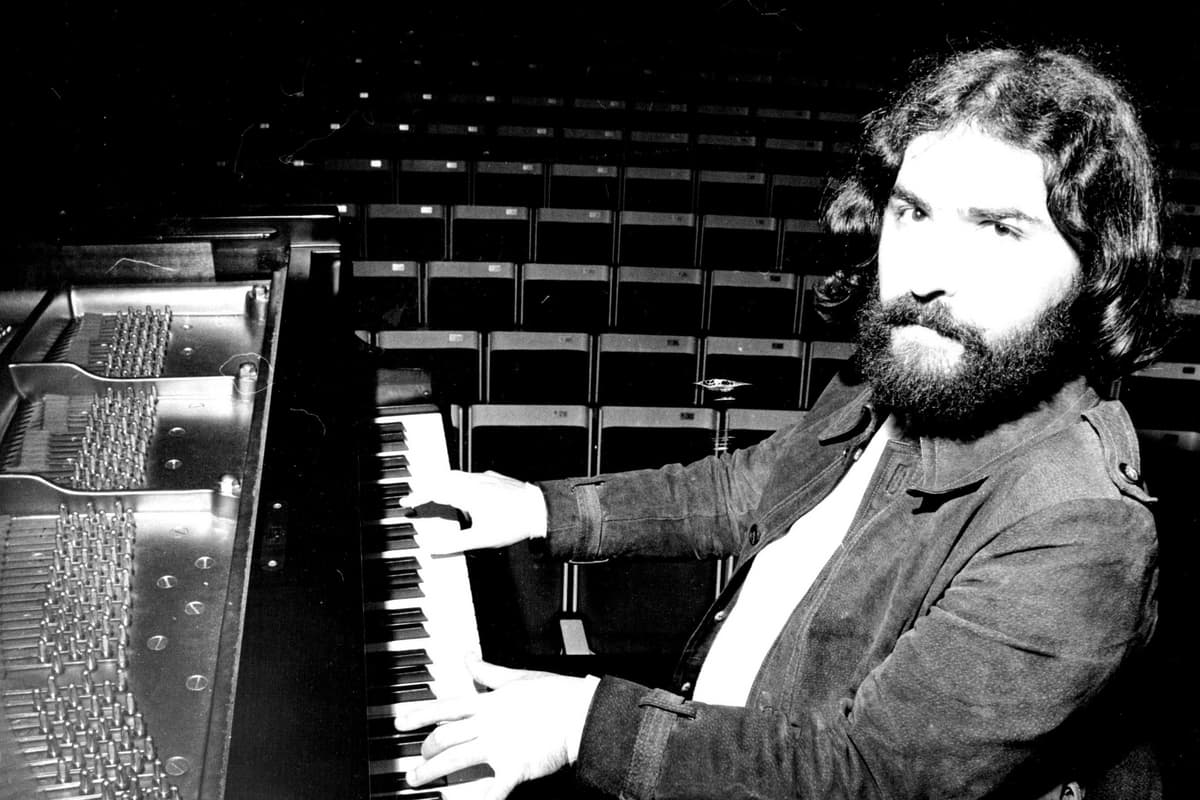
(133, 423)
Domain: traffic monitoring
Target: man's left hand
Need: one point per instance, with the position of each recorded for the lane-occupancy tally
(527, 727)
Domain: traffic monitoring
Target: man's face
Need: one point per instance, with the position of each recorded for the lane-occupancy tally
(975, 281)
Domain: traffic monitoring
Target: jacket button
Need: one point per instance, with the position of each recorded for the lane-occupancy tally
(754, 534)
(720, 615)
(1130, 472)
(686, 686)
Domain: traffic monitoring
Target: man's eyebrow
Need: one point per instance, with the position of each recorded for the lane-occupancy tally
(1015, 214)
(900, 193)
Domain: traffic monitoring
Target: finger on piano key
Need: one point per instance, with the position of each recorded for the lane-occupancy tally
(391, 778)
(391, 690)
(421, 714)
(429, 484)
(445, 765)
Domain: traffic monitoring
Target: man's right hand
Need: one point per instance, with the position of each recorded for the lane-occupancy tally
(502, 510)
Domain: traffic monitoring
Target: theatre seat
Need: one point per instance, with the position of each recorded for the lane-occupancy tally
(656, 239)
(621, 602)
(400, 232)
(738, 242)
(538, 367)
(771, 368)
(477, 294)
(510, 183)
(573, 236)
(432, 182)
(759, 304)
(499, 233)
(560, 297)
(659, 300)
(528, 442)
(453, 359)
(647, 369)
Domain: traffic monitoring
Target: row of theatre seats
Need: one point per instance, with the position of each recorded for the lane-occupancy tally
(534, 184)
(469, 367)
(591, 298)
(815, 125)
(586, 236)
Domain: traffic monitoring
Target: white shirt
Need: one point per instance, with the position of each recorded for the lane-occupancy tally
(779, 577)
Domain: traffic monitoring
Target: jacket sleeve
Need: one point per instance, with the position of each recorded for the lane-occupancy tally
(1024, 638)
(676, 511)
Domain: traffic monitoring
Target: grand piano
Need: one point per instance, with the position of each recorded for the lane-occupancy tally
(208, 586)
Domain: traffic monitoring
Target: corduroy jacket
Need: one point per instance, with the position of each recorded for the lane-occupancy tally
(984, 597)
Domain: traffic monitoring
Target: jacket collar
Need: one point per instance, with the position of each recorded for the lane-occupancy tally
(948, 465)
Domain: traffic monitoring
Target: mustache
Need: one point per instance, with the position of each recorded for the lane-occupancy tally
(935, 316)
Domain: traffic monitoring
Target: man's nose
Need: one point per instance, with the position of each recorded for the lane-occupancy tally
(936, 267)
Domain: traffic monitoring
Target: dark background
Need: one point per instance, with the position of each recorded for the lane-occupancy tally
(132, 106)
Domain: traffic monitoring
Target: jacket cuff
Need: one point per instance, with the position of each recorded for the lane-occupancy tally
(572, 518)
(625, 737)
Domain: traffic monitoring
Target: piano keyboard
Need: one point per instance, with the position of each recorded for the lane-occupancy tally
(419, 618)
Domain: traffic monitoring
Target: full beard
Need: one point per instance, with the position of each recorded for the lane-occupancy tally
(987, 385)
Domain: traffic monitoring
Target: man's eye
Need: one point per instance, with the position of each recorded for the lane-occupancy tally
(911, 212)
(1000, 229)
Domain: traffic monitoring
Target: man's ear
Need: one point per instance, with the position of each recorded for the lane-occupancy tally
(1071, 791)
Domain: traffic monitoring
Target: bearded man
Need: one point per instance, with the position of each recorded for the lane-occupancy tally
(946, 569)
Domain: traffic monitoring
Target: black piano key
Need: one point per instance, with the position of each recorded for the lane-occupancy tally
(392, 472)
(394, 782)
(377, 593)
(388, 467)
(391, 573)
(377, 493)
(391, 506)
(393, 618)
(387, 499)
(385, 727)
(393, 747)
(395, 674)
(408, 658)
(414, 631)
(410, 693)
(391, 566)
(391, 426)
(388, 433)
(393, 536)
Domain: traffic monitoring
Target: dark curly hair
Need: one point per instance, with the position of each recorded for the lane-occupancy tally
(1101, 181)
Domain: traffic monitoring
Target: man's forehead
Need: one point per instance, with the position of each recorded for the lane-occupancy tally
(966, 166)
